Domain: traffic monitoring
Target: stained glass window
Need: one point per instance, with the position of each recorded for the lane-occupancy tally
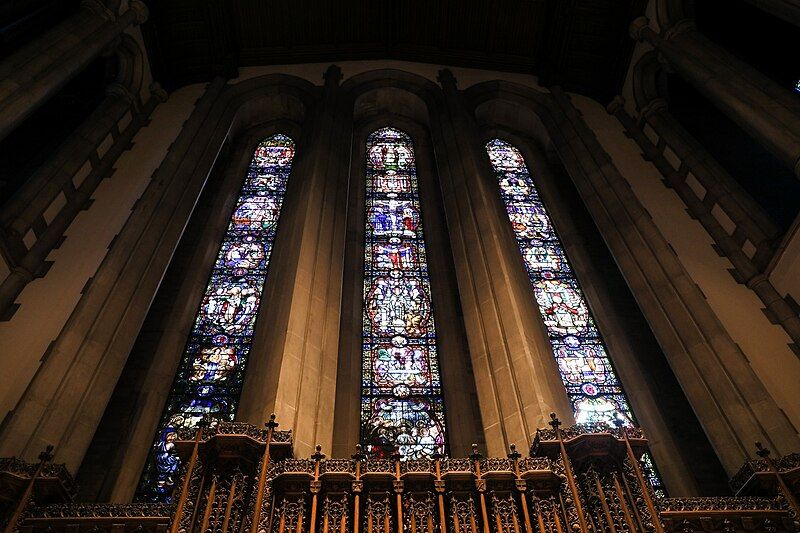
(211, 371)
(401, 403)
(592, 384)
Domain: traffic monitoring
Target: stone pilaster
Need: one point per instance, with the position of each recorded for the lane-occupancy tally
(295, 349)
(37, 71)
(767, 111)
(730, 401)
(516, 376)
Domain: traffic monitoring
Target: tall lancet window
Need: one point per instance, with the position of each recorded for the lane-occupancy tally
(591, 382)
(401, 403)
(211, 371)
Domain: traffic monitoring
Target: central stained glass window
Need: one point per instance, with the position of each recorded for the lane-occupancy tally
(211, 371)
(591, 382)
(401, 403)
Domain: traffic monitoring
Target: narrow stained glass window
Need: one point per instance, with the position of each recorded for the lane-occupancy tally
(211, 371)
(401, 404)
(591, 382)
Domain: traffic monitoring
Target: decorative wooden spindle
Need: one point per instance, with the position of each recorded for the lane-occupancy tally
(179, 508)
(623, 502)
(212, 493)
(44, 457)
(316, 485)
(480, 485)
(358, 485)
(521, 486)
(439, 486)
(398, 488)
(640, 479)
(555, 423)
(604, 503)
(262, 475)
(232, 497)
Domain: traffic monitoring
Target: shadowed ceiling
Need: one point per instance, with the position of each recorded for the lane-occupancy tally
(582, 45)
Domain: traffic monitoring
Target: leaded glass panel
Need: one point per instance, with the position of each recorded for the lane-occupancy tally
(211, 371)
(401, 402)
(591, 382)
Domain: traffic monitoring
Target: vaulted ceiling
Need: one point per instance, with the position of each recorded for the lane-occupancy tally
(582, 45)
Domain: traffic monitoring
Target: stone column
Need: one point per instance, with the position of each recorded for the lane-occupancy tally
(33, 222)
(37, 71)
(767, 111)
(292, 370)
(516, 375)
(730, 401)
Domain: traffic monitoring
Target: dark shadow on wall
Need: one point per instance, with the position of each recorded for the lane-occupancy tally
(764, 41)
(21, 21)
(771, 183)
(41, 134)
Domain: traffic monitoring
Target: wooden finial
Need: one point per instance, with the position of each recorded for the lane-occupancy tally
(513, 453)
(318, 455)
(359, 455)
(47, 454)
(761, 451)
(475, 455)
(555, 423)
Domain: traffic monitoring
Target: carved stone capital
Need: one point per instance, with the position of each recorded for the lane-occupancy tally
(653, 106)
(638, 25)
(120, 91)
(616, 105)
(158, 91)
(140, 11)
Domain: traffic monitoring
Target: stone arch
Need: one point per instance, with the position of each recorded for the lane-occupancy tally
(393, 92)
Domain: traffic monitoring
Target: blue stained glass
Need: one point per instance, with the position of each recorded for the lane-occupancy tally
(401, 405)
(211, 371)
(591, 382)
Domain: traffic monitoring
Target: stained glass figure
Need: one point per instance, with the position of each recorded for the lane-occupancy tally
(211, 371)
(591, 382)
(401, 403)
